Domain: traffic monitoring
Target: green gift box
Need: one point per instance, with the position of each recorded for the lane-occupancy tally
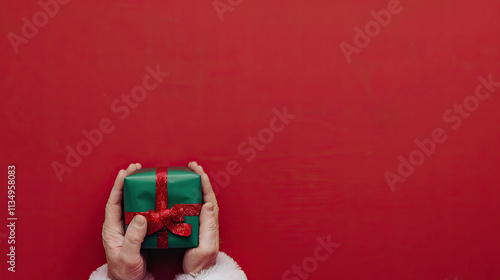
(170, 199)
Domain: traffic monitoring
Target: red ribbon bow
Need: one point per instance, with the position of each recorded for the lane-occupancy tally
(163, 218)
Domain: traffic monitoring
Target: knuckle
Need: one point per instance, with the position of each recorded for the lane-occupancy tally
(131, 168)
(105, 233)
(133, 237)
(212, 225)
(122, 173)
(107, 208)
(106, 240)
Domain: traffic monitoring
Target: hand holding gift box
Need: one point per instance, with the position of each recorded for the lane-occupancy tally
(126, 260)
(170, 199)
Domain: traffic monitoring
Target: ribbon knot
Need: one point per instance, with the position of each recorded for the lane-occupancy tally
(172, 219)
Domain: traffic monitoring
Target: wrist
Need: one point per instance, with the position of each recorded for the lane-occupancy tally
(225, 268)
(195, 268)
(125, 274)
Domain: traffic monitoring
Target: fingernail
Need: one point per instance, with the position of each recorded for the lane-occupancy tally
(139, 221)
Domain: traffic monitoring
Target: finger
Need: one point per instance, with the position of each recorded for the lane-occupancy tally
(209, 231)
(198, 169)
(192, 165)
(114, 207)
(208, 191)
(116, 196)
(131, 168)
(206, 187)
(134, 237)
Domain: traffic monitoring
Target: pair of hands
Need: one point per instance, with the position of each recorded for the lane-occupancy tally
(124, 258)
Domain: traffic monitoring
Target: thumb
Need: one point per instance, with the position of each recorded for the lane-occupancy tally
(134, 237)
(209, 229)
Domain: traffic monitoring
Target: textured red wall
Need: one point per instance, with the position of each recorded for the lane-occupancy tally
(392, 151)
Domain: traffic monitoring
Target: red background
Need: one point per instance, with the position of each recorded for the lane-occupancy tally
(322, 175)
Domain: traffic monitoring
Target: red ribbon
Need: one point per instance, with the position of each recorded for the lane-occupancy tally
(162, 218)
